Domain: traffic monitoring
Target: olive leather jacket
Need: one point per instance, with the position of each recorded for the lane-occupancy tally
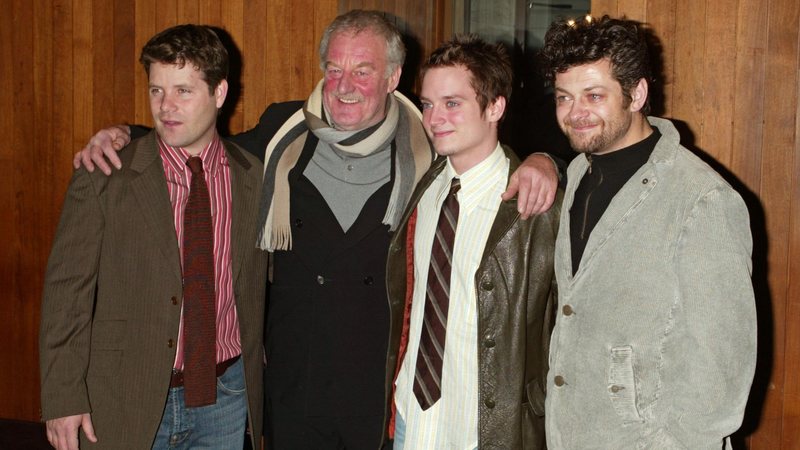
(516, 293)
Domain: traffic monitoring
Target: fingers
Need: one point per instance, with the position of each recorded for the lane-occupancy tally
(88, 428)
(513, 187)
(101, 151)
(62, 433)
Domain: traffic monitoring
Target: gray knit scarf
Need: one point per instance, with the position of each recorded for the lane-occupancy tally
(411, 160)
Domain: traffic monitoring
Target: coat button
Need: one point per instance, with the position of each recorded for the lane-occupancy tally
(368, 280)
(489, 342)
(174, 300)
(487, 285)
(170, 343)
(298, 223)
(567, 310)
(559, 380)
(645, 181)
(320, 280)
(489, 403)
(614, 389)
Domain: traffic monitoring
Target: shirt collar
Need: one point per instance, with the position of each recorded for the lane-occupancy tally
(213, 156)
(488, 177)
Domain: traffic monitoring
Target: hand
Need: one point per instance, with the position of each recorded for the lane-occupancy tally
(105, 144)
(63, 432)
(535, 183)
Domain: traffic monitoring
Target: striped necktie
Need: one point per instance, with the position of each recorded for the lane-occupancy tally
(428, 375)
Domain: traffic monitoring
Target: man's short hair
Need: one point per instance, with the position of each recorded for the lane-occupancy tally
(359, 20)
(489, 65)
(569, 43)
(197, 45)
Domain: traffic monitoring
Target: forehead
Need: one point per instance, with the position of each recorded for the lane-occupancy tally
(175, 74)
(447, 81)
(594, 74)
(364, 46)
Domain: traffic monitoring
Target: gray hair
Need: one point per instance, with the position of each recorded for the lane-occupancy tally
(359, 20)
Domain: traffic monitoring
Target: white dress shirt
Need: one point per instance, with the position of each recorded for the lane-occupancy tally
(452, 422)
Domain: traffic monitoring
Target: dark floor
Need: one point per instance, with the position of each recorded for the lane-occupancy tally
(16, 435)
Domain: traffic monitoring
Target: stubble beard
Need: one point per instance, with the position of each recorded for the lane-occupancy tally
(610, 133)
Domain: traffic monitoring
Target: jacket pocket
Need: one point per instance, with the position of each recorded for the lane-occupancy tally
(622, 386)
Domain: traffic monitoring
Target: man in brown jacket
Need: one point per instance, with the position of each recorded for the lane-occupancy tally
(129, 268)
(471, 285)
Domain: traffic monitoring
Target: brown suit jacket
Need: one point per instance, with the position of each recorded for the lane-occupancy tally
(112, 297)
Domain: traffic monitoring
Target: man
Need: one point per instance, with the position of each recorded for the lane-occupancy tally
(339, 170)
(153, 302)
(472, 298)
(655, 342)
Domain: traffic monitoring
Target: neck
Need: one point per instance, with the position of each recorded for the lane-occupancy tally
(467, 160)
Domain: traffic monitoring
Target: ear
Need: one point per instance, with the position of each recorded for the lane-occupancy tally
(394, 79)
(639, 95)
(220, 92)
(496, 109)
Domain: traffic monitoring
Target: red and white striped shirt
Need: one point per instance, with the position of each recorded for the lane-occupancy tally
(218, 179)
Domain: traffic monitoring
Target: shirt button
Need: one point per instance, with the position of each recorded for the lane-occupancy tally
(614, 389)
(645, 181)
(174, 300)
(489, 342)
(298, 223)
(368, 280)
(320, 279)
(489, 403)
(170, 343)
(567, 310)
(487, 285)
(350, 167)
(559, 381)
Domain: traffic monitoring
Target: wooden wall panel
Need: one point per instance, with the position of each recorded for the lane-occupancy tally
(71, 67)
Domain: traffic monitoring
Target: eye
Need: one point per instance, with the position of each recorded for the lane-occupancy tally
(595, 97)
(425, 105)
(361, 73)
(333, 72)
(561, 99)
(183, 91)
(451, 104)
(155, 91)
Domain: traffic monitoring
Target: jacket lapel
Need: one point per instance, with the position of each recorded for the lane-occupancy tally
(507, 213)
(243, 205)
(149, 185)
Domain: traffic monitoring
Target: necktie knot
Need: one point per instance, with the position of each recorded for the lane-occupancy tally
(455, 186)
(195, 164)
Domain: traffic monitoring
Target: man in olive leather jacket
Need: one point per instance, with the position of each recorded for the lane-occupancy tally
(504, 299)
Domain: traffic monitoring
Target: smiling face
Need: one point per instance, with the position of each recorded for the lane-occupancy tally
(453, 119)
(592, 110)
(184, 111)
(356, 82)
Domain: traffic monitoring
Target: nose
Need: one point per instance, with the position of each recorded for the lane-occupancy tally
(435, 115)
(167, 103)
(345, 85)
(578, 109)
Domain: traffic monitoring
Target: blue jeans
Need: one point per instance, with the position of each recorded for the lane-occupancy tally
(217, 426)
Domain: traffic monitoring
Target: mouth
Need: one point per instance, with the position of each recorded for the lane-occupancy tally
(438, 134)
(349, 100)
(582, 127)
(170, 123)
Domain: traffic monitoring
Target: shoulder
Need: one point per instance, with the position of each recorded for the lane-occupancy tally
(241, 156)
(280, 112)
